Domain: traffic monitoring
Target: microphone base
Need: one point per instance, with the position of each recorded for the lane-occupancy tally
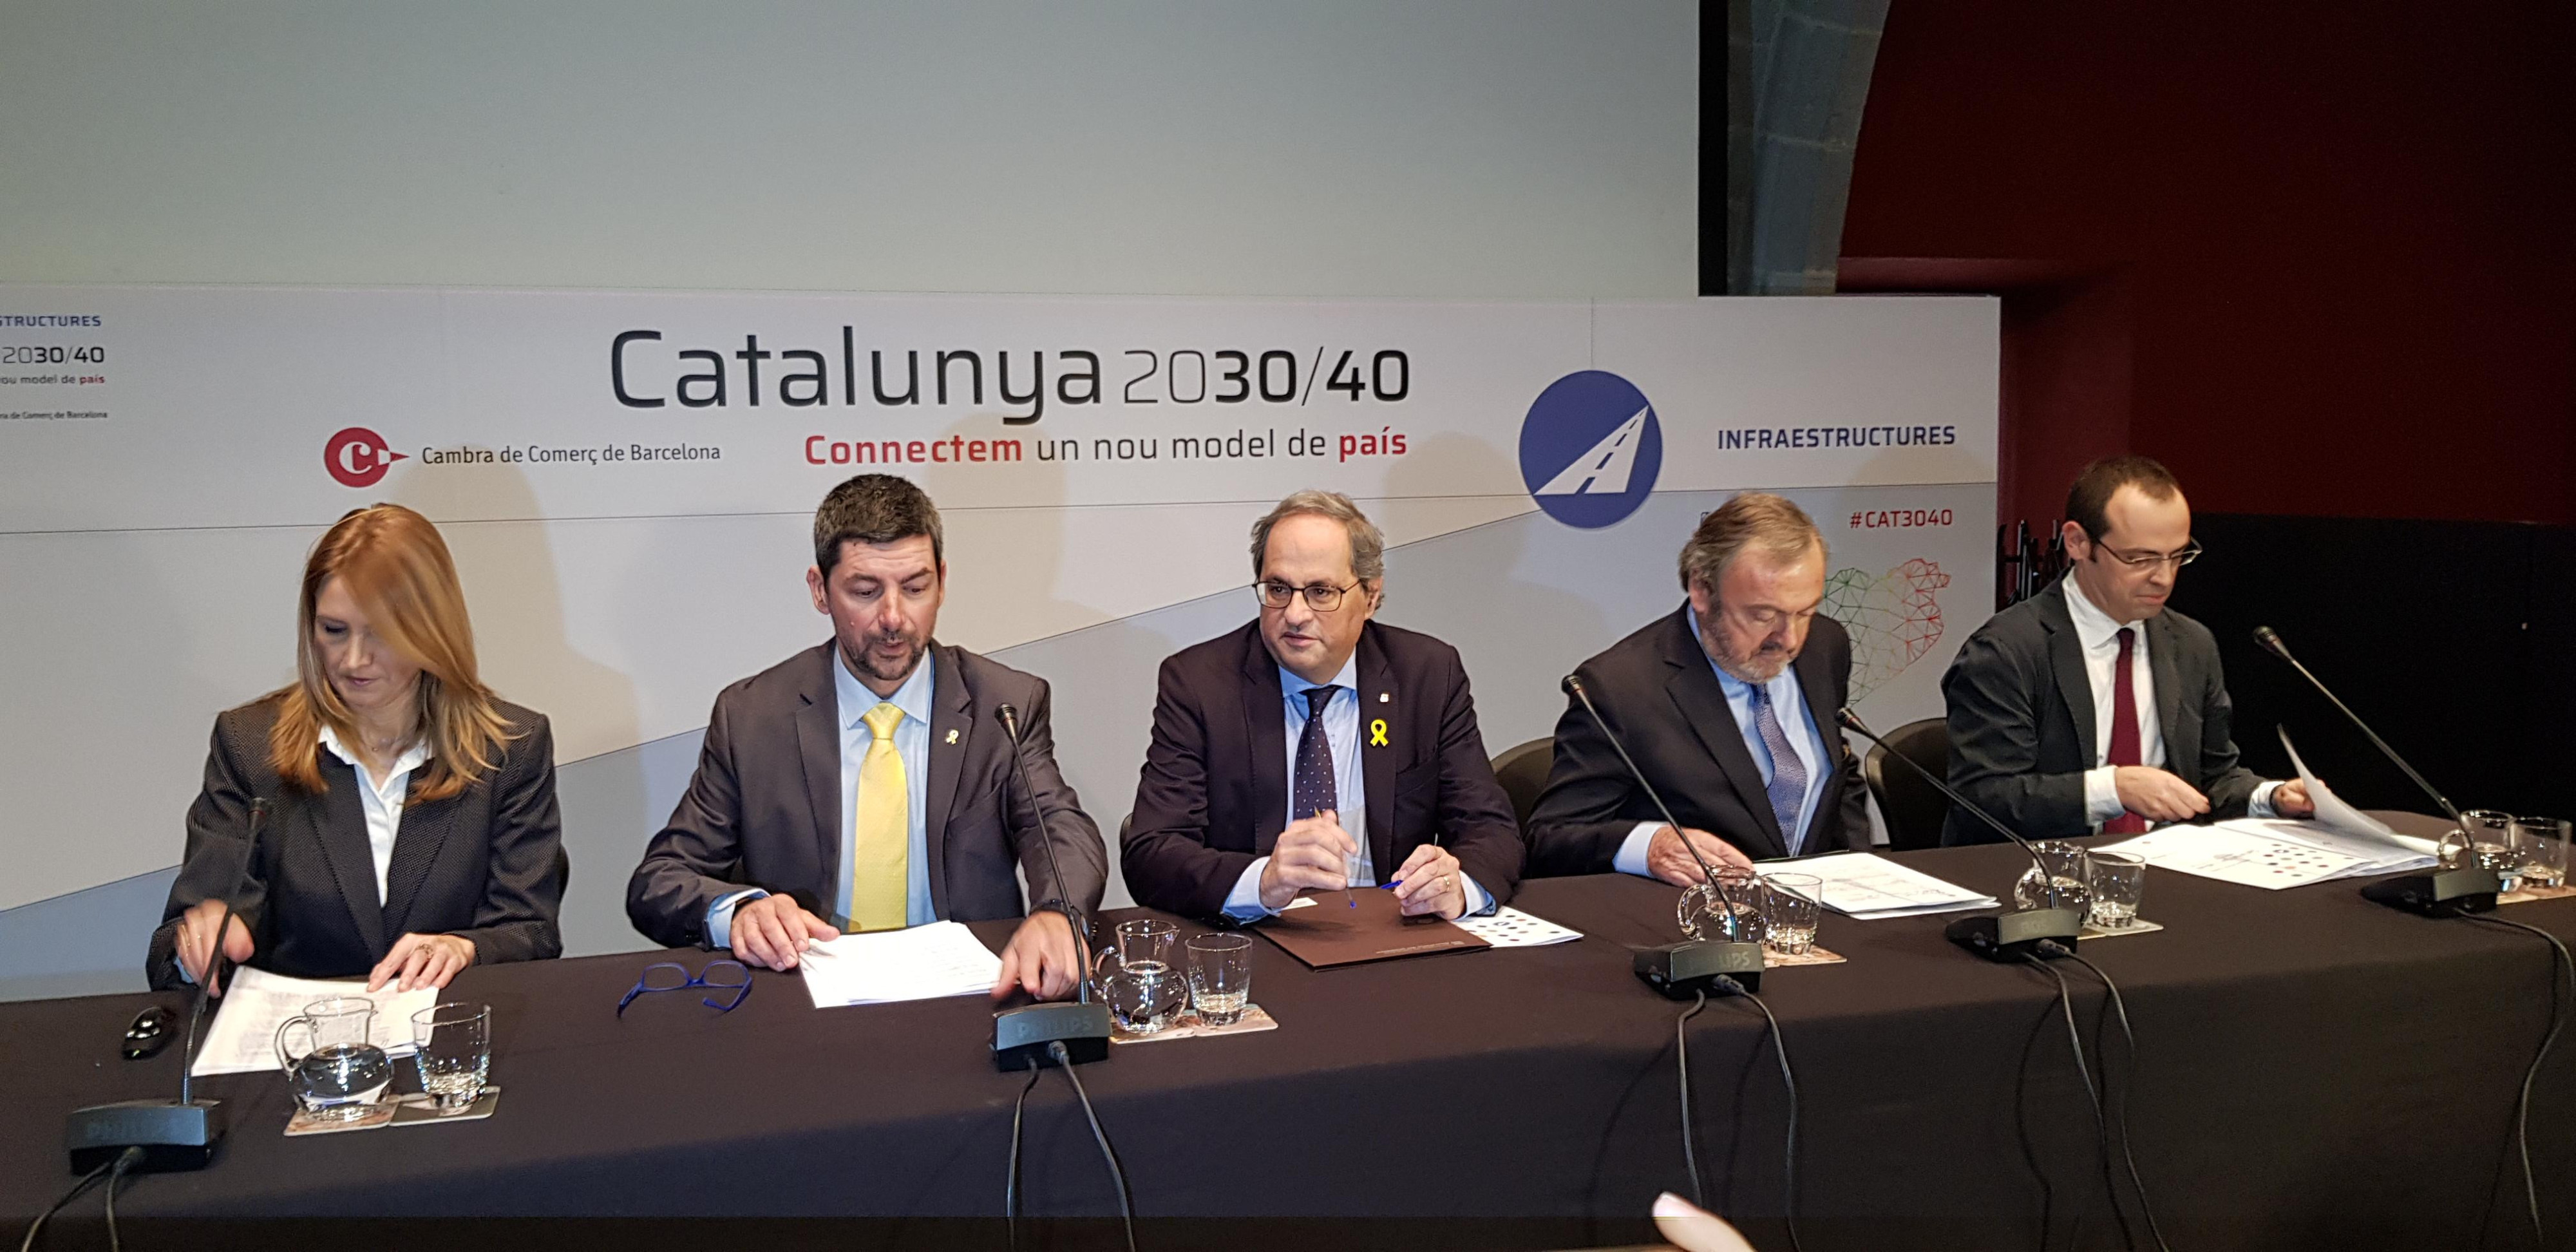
(1021, 1035)
(1682, 970)
(2445, 893)
(2011, 936)
(173, 1136)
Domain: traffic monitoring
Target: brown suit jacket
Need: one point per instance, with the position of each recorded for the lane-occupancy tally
(764, 809)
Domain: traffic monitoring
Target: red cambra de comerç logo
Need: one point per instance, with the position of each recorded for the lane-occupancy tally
(358, 457)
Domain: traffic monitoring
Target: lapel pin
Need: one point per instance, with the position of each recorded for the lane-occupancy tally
(1384, 698)
(1377, 733)
(952, 736)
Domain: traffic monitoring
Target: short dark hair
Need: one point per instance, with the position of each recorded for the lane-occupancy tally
(874, 508)
(2090, 497)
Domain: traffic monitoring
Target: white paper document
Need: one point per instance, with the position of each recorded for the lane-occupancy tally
(2333, 812)
(243, 1038)
(2272, 853)
(1865, 886)
(1511, 928)
(921, 963)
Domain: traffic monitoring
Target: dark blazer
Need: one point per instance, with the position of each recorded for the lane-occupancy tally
(484, 864)
(1214, 793)
(2021, 720)
(1660, 694)
(764, 809)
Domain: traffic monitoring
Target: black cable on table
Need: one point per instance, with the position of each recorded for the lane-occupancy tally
(1011, 1181)
(69, 1194)
(1126, 1205)
(2557, 1019)
(2120, 1011)
(123, 1159)
(1690, 1138)
(1789, 1161)
(2101, 1124)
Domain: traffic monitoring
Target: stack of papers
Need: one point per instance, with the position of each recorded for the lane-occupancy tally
(243, 1039)
(1865, 887)
(922, 963)
(2340, 842)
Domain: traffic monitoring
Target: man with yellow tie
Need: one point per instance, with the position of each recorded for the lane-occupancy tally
(866, 783)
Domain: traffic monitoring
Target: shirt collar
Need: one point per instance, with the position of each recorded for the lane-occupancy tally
(2093, 627)
(913, 697)
(412, 758)
(1292, 687)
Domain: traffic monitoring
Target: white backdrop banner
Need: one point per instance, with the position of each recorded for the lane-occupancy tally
(628, 480)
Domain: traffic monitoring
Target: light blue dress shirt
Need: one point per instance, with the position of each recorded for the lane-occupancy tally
(912, 742)
(1786, 699)
(1342, 732)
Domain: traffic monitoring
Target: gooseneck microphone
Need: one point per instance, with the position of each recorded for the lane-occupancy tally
(1693, 967)
(2004, 936)
(180, 1134)
(2444, 893)
(1036, 1034)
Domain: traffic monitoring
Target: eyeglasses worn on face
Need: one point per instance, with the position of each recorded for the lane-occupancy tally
(718, 976)
(2150, 560)
(1321, 597)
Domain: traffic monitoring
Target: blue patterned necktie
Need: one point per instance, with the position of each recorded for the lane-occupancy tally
(1311, 791)
(1788, 788)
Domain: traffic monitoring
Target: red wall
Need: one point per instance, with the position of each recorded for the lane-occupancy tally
(2318, 261)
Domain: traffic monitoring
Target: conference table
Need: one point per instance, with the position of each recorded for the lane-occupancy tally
(2311, 1070)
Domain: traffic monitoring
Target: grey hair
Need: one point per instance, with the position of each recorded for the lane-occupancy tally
(1755, 519)
(1368, 544)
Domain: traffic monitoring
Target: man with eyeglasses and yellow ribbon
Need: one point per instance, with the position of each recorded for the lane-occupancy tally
(866, 783)
(2091, 707)
(1316, 749)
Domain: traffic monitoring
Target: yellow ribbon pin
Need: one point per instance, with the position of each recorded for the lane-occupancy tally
(1377, 732)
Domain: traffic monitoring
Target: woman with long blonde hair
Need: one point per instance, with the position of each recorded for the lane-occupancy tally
(411, 827)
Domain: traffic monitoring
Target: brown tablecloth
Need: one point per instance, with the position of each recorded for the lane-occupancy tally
(2313, 1071)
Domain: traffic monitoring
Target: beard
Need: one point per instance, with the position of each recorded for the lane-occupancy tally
(1761, 665)
(870, 661)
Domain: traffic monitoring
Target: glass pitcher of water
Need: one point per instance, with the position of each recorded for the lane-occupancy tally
(2064, 885)
(1145, 990)
(341, 1072)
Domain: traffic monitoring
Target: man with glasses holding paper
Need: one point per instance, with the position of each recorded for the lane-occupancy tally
(866, 783)
(2090, 707)
(1317, 749)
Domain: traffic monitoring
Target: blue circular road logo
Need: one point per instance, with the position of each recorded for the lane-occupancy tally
(1590, 449)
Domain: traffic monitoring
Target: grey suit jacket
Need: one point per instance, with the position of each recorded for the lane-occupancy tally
(485, 864)
(2021, 720)
(1657, 690)
(764, 809)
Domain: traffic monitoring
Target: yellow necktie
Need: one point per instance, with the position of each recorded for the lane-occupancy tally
(881, 843)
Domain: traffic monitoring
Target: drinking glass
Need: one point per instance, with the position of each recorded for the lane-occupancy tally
(2540, 848)
(453, 1048)
(1220, 976)
(1789, 908)
(2063, 887)
(342, 1072)
(1144, 993)
(1725, 910)
(2118, 881)
(2487, 836)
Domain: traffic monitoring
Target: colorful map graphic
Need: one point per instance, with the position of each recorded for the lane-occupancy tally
(1894, 618)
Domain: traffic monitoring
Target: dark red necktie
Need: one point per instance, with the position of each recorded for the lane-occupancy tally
(2124, 729)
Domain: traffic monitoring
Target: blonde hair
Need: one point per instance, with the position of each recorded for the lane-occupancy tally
(1755, 519)
(393, 563)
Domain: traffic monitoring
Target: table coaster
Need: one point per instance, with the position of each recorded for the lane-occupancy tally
(420, 1110)
(381, 1113)
(1812, 956)
(2525, 895)
(2140, 926)
(1190, 1027)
